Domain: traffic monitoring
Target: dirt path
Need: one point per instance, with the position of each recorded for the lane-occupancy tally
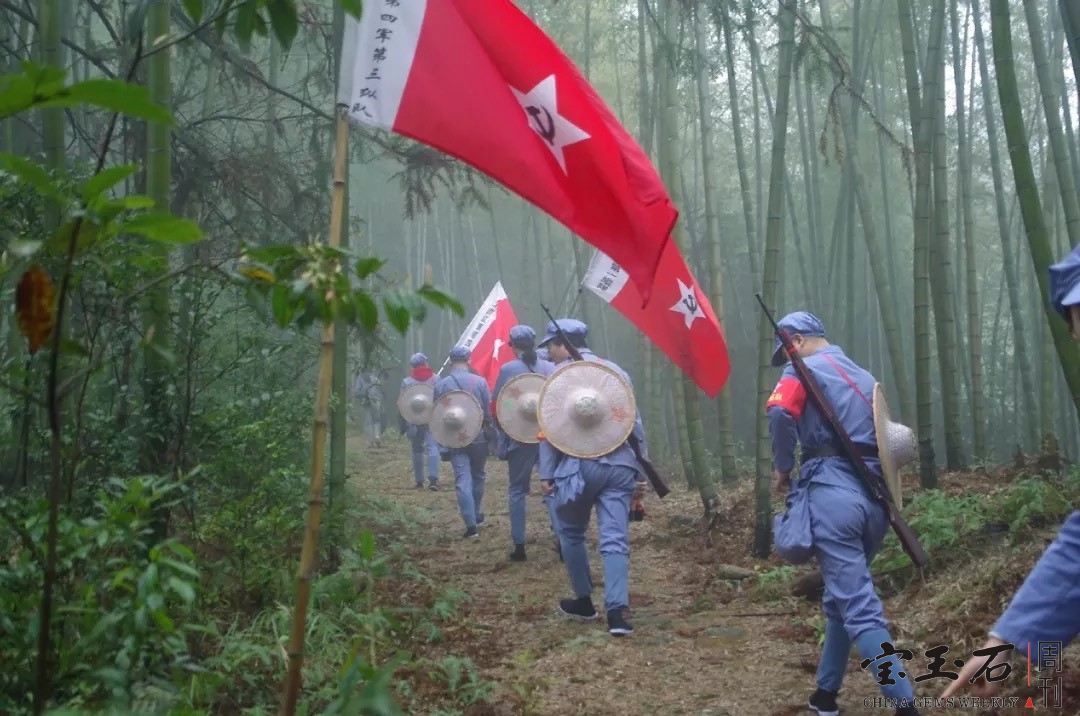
(695, 650)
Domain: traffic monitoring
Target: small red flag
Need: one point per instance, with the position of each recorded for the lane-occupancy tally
(678, 317)
(478, 80)
(488, 335)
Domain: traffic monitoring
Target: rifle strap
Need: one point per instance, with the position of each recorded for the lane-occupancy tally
(849, 381)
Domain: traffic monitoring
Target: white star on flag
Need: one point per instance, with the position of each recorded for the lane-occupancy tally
(688, 304)
(542, 113)
(499, 343)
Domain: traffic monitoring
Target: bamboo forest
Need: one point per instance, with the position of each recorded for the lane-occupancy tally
(268, 267)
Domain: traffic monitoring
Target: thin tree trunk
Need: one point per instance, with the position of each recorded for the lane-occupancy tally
(877, 255)
(922, 122)
(712, 226)
(974, 317)
(772, 271)
(1027, 190)
(1012, 276)
(1052, 114)
(749, 220)
(941, 285)
(687, 407)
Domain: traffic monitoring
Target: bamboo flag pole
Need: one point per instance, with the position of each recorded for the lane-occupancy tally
(318, 442)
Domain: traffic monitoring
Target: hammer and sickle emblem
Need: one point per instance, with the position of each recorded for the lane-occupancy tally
(691, 303)
(546, 131)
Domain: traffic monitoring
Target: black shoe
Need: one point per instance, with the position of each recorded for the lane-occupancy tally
(480, 520)
(906, 711)
(419, 486)
(616, 625)
(824, 703)
(470, 533)
(434, 488)
(518, 555)
(581, 609)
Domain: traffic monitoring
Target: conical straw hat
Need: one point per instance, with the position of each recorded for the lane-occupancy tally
(586, 409)
(456, 419)
(896, 445)
(517, 403)
(415, 403)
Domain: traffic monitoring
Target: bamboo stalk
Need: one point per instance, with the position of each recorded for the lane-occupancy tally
(318, 445)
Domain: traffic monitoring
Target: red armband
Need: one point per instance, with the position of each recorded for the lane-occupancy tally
(788, 394)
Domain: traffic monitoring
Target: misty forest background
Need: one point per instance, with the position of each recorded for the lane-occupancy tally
(906, 170)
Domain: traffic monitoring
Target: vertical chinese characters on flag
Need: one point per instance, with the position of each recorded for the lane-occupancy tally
(678, 317)
(481, 82)
(487, 335)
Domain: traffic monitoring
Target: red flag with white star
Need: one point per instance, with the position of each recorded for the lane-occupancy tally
(478, 80)
(678, 317)
(488, 335)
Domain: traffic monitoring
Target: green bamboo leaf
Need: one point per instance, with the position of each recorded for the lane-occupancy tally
(194, 10)
(184, 590)
(107, 179)
(353, 7)
(396, 313)
(115, 95)
(245, 24)
(164, 228)
(442, 300)
(260, 28)
(284, 20)
(282, 305)
(366, 310)
(16, 94)
(366, 267)
(30, 173)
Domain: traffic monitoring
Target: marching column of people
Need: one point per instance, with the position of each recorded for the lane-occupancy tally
(521, 457)
(424, 449)
(579, 486)
(468, 461)
(829, 516)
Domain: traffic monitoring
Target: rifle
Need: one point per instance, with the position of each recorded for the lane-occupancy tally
(654, 477)
(908, 539)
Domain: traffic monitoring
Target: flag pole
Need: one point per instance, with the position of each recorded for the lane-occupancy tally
(291, 686)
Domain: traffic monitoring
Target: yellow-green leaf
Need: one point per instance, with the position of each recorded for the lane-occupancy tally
(106, 179)
(353, 7)
(164, 228)
(194, 9)
(30, 173)
(115, 95)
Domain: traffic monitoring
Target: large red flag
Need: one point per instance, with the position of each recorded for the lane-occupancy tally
(480, 81)
(678, 317)
(487, 335)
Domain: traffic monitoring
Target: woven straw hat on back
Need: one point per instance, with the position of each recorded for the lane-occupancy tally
(896, 445)
(586, 409)
(517, 404)
(415, 403)
(456, 419)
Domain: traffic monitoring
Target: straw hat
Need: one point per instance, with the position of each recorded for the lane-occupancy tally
(456, 419)
(896, 445)
(415, 403)
(586, 409)
(517, 402)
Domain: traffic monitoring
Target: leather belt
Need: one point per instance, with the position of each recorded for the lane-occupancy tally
(864, 451)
